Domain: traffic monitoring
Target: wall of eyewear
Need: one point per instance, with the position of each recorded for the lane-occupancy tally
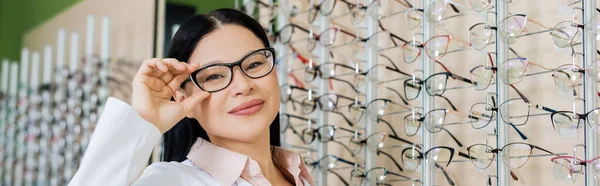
(438, 92)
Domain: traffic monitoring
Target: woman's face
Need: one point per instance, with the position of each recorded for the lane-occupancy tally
(217, 114)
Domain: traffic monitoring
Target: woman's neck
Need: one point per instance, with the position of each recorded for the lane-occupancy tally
(259, 150)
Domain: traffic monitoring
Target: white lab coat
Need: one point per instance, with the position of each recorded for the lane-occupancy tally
(119, 151)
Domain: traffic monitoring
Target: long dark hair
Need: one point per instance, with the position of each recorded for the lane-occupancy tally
(179, 140)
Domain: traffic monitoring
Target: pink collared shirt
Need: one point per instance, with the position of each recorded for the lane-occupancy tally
(122, 143)
(227, 166)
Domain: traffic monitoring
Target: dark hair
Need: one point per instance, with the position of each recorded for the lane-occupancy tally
(179, 140)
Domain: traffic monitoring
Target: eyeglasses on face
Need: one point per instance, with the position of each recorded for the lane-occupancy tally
(216, 77)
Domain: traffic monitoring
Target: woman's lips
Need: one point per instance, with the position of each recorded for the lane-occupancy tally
(248, 108)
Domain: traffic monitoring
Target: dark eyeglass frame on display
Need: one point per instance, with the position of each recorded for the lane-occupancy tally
(316, 103)
(238, 63)
(558, 73)
(380, 177)
(510, 38)
(414, 45)
(351, 7)
(417, 84)
(278, 34)
(329, 167)
(311, 73)
(414, 150)
(288, 90)
(507, 103)
(379, 146)
(492, 117)
(415, 117)
(521, 95)
(571, 115)
(316, 134)
(315, 70)
(309, 135)
(357, 109)
(494, 152)
(285, 117)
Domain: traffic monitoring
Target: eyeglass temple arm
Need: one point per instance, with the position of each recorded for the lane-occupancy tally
(589, 161)
(392, 158)
(463, 79)
(345, 146)
(348, 130)
(393, 64)
(518, 131)
(453, 137)
(389, 125)
(399, 95)
(296, 102)
(454, 8)
(347, 162)
(449, 102)
(298, 117)
(521, 134)
(344, 81)
(514, 176)
(343, 116)
(539, 65)
(539, 23)
(405, 177)
(520, 94)
(542, 149)
(339, 176)
(293, 129)
(466, 43)
(392, 35)
(400, 139)
(544, 108)
(445, 174)
(464, 155)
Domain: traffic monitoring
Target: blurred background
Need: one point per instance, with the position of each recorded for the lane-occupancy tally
(373, 92)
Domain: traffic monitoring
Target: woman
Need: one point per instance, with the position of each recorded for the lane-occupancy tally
(216, 102)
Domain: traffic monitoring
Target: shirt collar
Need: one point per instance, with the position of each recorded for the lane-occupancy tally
(226, 166)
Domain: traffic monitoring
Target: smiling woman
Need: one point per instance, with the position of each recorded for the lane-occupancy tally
(215, 99)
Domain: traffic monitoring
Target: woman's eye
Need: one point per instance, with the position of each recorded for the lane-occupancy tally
(254, 65)
(213, 77)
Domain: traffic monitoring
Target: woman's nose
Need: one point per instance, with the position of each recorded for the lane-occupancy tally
(240, 83)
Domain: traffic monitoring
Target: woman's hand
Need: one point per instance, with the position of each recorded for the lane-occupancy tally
(155, 83)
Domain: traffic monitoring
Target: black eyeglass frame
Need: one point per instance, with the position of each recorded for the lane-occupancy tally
(234, 64)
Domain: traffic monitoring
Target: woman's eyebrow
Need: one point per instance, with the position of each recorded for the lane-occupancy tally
(219, 61)
(210, 63)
